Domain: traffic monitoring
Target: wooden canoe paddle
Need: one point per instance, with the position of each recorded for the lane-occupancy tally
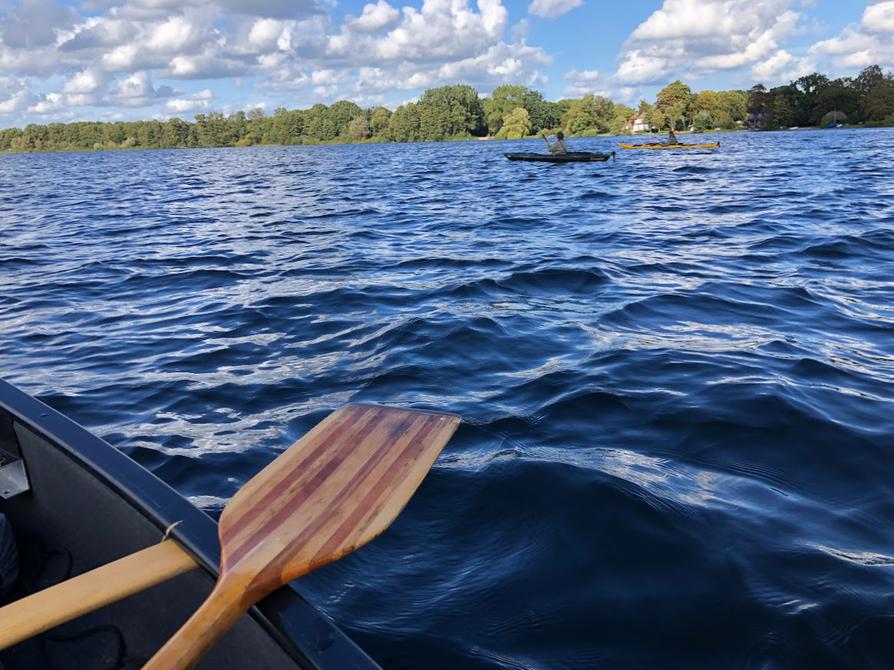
(334, 491)
(331, 492)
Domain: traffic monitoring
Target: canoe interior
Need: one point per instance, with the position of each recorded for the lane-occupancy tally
(72, 519)
(570, 157)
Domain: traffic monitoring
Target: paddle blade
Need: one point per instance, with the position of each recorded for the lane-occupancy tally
(333, 491)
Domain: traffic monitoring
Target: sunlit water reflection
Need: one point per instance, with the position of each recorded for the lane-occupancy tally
(676, 371)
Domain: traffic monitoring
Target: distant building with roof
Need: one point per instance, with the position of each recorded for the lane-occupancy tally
(637, 124)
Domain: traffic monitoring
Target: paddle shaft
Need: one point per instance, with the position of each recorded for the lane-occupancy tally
(228, 601)
(91, 590)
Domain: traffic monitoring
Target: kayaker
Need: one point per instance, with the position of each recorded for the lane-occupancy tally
(557, 147)
(671, 138)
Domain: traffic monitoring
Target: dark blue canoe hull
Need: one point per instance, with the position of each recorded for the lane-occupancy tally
(98, 505)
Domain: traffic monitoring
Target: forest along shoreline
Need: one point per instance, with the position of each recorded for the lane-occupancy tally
(458, 112)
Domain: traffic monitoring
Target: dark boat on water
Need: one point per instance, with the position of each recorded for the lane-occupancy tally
(570, 157)
(76, 503)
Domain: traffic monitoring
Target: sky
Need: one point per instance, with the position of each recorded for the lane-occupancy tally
(65, 60)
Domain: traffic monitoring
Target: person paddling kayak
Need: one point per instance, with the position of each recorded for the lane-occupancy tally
(671, 138)
(559, 146)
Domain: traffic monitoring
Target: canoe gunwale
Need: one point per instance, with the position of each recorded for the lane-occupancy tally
(290, 620)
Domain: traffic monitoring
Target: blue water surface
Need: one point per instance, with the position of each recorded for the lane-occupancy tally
(676, 372)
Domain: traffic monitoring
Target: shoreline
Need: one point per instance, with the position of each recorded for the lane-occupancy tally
(450, 140)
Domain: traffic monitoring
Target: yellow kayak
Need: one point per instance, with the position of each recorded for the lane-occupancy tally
(713, 145)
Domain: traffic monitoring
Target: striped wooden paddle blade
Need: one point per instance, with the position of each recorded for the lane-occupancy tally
(333, 491)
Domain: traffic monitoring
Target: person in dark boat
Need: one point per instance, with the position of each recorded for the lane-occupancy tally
(671, 138)
(559, 146)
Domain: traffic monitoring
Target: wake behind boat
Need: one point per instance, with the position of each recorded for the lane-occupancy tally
(570, 157)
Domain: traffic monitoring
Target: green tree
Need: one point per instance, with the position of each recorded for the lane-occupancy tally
(378, 121)
(838, 95)
(540, 112)
(317, 124)
(782, 109)
(451, 111)
(516, 125)
(286, 127)
(806, 97)
(623, 114)
(673, 106)
(879, 104)
(338, 117)
(404, 124)
(723, 108)
(735, 105)
(358, 128)
(756, 106)
(592, 113)
(865, 82)
(703, 122)
(175, 133)
(500, 104)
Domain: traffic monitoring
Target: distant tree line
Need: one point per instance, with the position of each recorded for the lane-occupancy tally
(815, 100)
(510, 112)
(676, 106)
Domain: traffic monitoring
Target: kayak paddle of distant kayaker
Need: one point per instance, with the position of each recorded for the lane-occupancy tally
(557, 147)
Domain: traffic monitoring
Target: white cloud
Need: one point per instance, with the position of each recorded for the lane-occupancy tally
(86, 81)
(375, 17)
(444, 41)
(265, 34)
(582, 83)
(879, 18)
(276, 9)
(553, 8)
(99, 32)
(593, 82)
(120, 58)
(111, 58)
(871, 42)
(29, 24)
(325, 77)
(440, 30)
(694, 38)
(137, 90)
(781, 67)
(143, 10)
(520, 31)
(501, 63)
(15, 96)
(53, 102)
(175, 34)
(208, 65)
(196, 102)
(640, 67)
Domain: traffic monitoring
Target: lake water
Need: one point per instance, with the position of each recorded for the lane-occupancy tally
(676, 372)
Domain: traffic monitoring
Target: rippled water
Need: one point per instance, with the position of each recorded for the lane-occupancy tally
(676, 372)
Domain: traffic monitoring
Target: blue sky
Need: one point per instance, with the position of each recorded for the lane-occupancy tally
(130, 59)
